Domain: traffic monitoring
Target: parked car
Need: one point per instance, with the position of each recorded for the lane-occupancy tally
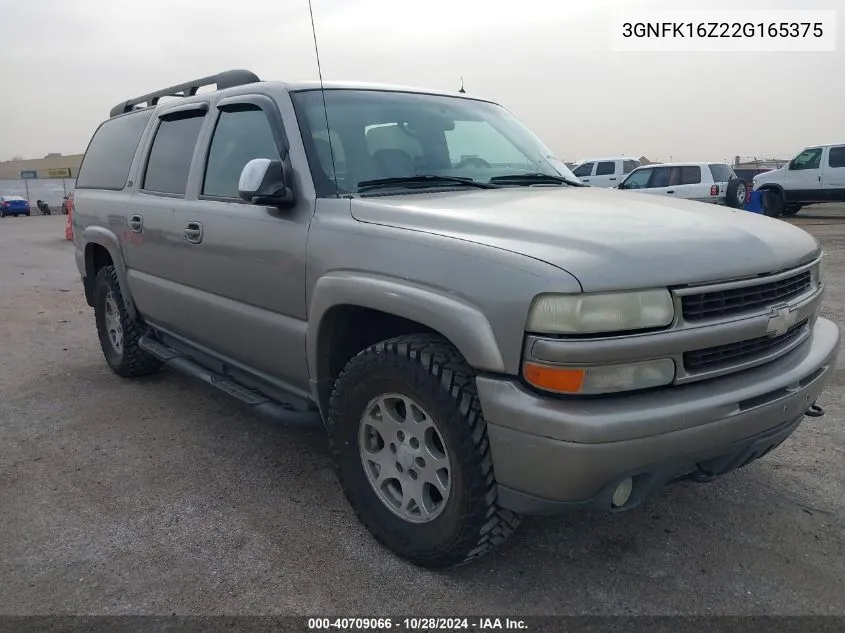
(67, 203)
(479, 342)
(714, 183)
(13, 205)
(604, 172)
(816, 175)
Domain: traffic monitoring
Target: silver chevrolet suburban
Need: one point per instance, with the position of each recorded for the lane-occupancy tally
(481, 336)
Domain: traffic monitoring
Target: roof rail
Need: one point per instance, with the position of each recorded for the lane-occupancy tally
(226, 79)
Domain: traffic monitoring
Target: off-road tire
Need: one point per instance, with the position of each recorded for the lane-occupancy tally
(431, 371)
(133, 361)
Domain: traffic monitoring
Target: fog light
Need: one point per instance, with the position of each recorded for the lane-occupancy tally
(622, 492)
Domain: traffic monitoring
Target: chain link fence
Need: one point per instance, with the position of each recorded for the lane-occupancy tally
(50, 190)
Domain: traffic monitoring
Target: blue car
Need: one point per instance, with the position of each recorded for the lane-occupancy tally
(13, 205)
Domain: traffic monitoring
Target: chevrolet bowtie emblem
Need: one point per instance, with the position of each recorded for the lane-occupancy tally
(780, 322)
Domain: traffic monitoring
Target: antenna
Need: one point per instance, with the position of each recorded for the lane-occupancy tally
(462, 91)
(323, 93)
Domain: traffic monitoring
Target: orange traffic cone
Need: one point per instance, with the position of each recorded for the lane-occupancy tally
(69, 225)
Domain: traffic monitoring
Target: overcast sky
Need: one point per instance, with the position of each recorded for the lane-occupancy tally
(65, 63)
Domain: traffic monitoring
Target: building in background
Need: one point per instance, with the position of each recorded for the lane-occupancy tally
(51, 166)
(49, 179)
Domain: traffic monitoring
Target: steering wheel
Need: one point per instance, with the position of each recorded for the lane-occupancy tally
(474, 161)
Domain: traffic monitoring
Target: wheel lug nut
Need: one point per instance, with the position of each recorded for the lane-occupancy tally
(401, 436)
(393, 447)
(415, 443)
(399, 467)
(412, 473)
(420, 462)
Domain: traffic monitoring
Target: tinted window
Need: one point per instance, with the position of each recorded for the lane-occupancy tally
(721, 173)
(690, 175)
(109, 156)
(584, 170)
(837, 157)
(629, 166)
(808, 159)
(170, 156)
(240, 136)
(662, 177)
(638, 179)
(606, 169)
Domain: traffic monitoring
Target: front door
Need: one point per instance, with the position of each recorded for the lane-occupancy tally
(804, 177)
(584, 172)
(243, 264)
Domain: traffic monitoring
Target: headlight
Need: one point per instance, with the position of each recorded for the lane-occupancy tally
(754, 185)
(821, 269)
(596, 313)
(599, 379)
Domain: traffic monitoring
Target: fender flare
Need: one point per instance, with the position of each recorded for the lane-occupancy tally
(456, 319)
(108, 240)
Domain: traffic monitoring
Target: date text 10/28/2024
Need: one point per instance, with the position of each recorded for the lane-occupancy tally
(469, 625)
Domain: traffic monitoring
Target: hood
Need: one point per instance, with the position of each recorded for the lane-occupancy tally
(607, 239)
(771, 176)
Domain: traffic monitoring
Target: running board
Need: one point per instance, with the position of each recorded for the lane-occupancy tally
(257, 401)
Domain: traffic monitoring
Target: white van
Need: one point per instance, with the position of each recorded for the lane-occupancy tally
(604, 172)
(816, 175)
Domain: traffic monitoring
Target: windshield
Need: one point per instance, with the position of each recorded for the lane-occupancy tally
(380, 134)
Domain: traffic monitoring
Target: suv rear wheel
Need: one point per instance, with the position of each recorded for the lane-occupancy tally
(118, 333)
(411, 450)
(736, 193)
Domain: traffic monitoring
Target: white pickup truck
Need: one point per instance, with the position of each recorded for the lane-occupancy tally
(816, 175)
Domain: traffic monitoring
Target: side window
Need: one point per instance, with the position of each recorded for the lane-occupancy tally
(661, 177)
(690, 175)
(606, 168)
(109, 155)
(584, 170)
(171, 153)
(240, 136)
(637, 179)
(837, 156)
(808, 159)
(628, 166)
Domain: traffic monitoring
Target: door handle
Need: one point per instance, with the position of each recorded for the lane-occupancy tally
(673, 191)
(611, 178)
(193, 232)
(136, 223)
(585, 180)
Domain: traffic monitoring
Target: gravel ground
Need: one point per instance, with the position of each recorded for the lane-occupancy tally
(157, 496)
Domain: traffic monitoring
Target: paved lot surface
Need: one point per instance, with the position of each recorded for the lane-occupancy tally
(158, 496)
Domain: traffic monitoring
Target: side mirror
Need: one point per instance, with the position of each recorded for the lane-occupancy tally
(266, 182)
(792, 164)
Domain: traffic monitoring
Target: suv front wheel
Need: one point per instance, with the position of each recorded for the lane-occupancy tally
(410, 445)
(118, 333)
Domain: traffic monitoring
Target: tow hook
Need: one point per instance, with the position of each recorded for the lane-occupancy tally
(815, 411)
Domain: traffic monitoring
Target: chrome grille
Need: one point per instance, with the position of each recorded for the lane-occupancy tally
(737, 353)
(708, 305)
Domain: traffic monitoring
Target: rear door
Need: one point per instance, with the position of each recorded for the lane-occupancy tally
(584, 172)
(693, 184)
(722, 175)
(607, 173)
(154, 242)
(833, 175)
(803, 181)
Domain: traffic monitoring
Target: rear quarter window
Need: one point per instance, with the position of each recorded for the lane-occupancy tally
(629, 165)
(109, 155)
(721, 173)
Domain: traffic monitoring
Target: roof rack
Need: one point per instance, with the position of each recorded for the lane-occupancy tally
(226, 79)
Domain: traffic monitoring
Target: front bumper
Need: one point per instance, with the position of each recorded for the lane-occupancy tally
(552, 454)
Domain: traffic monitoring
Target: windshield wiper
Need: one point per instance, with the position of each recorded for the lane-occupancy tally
(431, 180)
(535, 179)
